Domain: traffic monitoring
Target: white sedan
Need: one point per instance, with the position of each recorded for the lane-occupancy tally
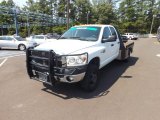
(16, 42)
(39, 39)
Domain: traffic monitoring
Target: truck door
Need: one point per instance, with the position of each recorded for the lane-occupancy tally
(115, 44)
(106, 55)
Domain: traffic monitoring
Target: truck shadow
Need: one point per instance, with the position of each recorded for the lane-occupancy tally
(7, 49)
(107, 77)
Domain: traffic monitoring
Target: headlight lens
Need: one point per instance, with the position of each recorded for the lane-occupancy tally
(77, 60)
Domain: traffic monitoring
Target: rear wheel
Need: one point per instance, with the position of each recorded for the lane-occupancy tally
(21, 47)
(128, 57)
(90, 81)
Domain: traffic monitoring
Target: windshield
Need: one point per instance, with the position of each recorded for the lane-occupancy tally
(19, 38)
(86, 33)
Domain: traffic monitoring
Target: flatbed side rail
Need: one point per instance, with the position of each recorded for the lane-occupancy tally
(124, 52)
(130, 46)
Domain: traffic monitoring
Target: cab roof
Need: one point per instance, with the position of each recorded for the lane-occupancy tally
(97, 25)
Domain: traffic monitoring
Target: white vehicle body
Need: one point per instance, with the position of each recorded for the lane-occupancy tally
(131, 36)
(88, 46)
(14, 42)
(71, 47)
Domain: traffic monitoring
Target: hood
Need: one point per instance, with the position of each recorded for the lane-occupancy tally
(64, 47)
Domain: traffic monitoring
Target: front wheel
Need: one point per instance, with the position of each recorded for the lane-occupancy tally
(21, 47)
(90, 81)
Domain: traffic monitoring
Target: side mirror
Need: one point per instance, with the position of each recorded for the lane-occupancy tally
(109, 39)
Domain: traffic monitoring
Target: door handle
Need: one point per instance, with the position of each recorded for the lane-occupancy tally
(112, 44)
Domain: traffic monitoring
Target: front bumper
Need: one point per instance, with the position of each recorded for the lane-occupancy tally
(46, 67)
(70, 78)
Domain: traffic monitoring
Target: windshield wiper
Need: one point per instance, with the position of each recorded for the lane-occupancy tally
(79, 38)
(74, 37)
(63, 38)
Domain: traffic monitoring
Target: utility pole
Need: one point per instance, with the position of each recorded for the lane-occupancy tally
(28, 25)
(88, 16)
(15, 19)
(152, 23)
(68, 14)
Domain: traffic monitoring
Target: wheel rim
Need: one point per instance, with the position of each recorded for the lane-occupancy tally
(22, 47)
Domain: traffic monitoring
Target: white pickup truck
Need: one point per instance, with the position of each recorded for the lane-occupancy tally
(77, 55)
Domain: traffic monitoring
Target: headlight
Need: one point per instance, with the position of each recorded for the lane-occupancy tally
(77, 60)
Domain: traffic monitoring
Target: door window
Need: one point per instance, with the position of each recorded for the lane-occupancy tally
(106, 32)
(38, 37)
(9, 38)
(113, 32)
(2, 38)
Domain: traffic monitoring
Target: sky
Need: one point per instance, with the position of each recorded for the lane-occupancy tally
(18, 2)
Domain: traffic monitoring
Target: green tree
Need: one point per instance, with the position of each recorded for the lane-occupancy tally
(83, 7)
(30, 6)
(104, 12)
(6, 19)
(137, 15)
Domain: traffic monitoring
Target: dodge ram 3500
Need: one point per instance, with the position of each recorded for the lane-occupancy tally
(77, 55)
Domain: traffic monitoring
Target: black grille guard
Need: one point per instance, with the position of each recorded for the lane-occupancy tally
(49, 56)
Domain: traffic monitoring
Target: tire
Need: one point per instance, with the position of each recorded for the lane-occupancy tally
(90, 81)
(129, 56)
(22, 47)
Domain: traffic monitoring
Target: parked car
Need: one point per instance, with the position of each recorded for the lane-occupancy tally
(53, 35)
(39, 39)
(16, 42)
(158, 34)
(131, 36)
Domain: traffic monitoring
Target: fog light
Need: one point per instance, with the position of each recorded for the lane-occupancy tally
(69, 78)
